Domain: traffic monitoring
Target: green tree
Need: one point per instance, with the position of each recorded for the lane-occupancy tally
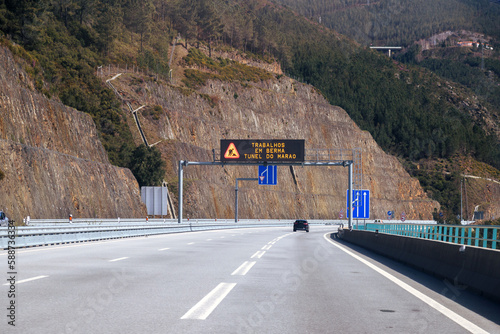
(147, 166)
(23, 22)
(109, 24)
(139, 17)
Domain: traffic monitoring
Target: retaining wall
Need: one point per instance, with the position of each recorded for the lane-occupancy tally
(477, 268)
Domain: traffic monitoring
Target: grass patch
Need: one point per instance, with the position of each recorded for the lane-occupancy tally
(220, 69)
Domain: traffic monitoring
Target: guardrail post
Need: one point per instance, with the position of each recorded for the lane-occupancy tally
(485, 237)
(494, 239)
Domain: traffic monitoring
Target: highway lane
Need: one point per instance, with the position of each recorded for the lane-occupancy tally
(263, 280)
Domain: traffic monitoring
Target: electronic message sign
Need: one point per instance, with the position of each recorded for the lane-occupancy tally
(262, 150)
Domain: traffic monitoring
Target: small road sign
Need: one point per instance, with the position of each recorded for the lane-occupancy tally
(360, 203)
(268, 175)
(403, 216)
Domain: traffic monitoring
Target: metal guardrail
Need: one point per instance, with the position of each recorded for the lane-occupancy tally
(60, 231)
(485, 236)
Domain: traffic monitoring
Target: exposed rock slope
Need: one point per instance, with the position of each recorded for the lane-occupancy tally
(53, 161)
(192, 122)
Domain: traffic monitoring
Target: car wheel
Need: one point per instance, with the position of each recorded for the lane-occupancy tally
(307, 230)
(294, 230)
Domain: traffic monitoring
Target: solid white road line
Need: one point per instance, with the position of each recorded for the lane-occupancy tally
(426, 299)
(205, 306)
(258, 254)
(162, 249)
(119, 259)
(28, 279)
(244, 268)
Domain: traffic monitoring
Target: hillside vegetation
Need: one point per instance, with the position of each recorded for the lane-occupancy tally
(400, 22)
(408, 111)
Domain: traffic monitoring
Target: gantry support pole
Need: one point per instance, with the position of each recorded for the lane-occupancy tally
(236, 194)
(349, 195)
(181, 176)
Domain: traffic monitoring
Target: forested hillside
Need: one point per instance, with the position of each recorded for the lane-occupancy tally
(400, 22)
(410, 112)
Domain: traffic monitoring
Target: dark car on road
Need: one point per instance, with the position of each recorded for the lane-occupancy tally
(300, 224)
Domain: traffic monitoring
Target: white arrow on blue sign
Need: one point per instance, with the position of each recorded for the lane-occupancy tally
(360, 204)
(268, 175)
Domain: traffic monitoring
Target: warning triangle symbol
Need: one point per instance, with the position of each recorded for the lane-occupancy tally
(231, 152)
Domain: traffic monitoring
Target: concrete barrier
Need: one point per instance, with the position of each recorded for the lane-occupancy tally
(473, 267)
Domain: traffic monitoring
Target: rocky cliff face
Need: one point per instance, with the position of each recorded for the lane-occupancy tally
(192, 122)
(53, 161)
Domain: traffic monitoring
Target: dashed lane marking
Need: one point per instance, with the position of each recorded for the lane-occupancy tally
(119, 259)
(258, 254)
(206, 306)
(28, 279)
(244, 268)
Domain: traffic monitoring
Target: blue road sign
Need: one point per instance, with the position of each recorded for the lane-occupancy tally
(268, 175)
(360, 204)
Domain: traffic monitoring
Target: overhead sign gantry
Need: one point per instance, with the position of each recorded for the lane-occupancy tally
(280, 152)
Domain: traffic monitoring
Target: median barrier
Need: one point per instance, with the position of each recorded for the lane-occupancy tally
(465, 266)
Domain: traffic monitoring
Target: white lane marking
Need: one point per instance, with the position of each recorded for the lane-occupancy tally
(119, 259)
(162, 249)
(258, 254)
(205, 306)
(426, 299)
(244, 268)
(190, 243)
(28, 279)
(266, 247)
(209, 239)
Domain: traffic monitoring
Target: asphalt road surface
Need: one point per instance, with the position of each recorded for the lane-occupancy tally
(261, 280)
